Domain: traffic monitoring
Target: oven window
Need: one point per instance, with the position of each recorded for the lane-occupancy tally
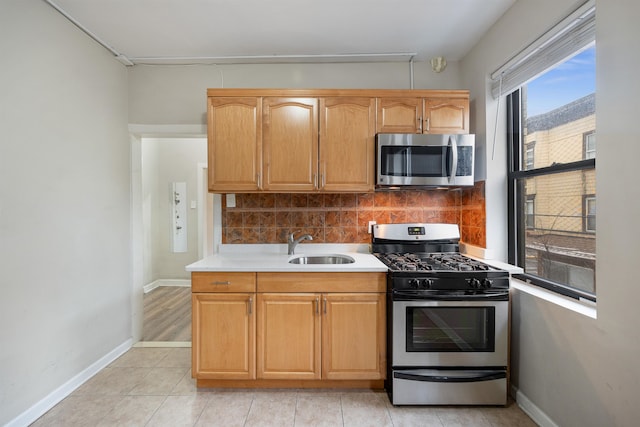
(450, 329)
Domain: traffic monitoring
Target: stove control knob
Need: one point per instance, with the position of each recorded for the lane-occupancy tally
(426, 283)
(414, 283)
(474, 283)
(486, 283)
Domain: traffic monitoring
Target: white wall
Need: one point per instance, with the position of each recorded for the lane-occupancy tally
(167, 160)
(575, 370)
(64, 204)
(177, 95)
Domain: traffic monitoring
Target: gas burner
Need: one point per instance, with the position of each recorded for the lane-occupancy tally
(405, 262)
(431, 262)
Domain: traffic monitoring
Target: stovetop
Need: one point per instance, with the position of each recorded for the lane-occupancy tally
(425, 258)
(420, 262)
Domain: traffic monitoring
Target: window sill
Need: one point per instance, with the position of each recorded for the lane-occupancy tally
(584, 307)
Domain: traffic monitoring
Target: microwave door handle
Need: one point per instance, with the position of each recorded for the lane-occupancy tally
(408, 160)
(454, 159)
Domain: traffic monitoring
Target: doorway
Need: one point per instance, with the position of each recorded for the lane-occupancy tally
(172, 174)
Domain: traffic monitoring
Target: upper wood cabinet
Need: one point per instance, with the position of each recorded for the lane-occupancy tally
(423, 115)
(235, 143)
(307, 140)
(347, 144)
(290, 144)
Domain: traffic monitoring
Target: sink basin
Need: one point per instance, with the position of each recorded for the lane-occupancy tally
(322, 259)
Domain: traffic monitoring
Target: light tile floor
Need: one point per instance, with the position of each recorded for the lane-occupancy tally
(153, 387)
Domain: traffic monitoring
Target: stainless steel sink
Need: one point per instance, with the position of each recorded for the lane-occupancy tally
(322, 259)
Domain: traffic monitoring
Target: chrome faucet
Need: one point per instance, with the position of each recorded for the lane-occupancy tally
(292, 242)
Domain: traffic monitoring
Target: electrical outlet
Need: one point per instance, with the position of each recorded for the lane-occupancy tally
(370, 226)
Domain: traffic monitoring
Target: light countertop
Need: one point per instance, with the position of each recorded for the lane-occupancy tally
(274, 258)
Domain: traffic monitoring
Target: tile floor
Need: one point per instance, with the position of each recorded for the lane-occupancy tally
(153, 387)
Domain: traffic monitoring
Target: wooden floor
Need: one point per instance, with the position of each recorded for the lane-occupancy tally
(167, 314)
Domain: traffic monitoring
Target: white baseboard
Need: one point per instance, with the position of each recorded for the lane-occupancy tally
(530, 408)
(183, 283)
(163, 344)
(57, 395)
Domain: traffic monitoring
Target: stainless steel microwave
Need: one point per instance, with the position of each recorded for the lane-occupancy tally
(429, 160)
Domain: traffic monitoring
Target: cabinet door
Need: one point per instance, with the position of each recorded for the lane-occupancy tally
(223, 334)
(290, 138)
(446, 115)
(235, 144)
(288, 336)
(399, 115)
(347, 142)
(353, 336)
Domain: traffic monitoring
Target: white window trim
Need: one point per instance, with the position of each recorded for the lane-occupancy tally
(581, 306)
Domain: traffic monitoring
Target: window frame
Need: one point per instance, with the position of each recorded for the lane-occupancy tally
(517, 196)
(530, 199)
(585, 213)
(585, 144)
(531, 148)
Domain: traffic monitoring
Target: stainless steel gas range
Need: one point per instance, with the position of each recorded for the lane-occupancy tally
(448, 318)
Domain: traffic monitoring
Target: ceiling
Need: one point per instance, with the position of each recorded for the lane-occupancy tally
(255, 31)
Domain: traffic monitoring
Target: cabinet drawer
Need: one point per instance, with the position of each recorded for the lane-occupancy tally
(223, 282)
(322, 282)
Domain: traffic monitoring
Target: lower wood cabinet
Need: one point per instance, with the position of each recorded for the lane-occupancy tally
(267, 336)
(353, 336)
(223, 325)
(331, 336)
(224, 335)
(289, 336)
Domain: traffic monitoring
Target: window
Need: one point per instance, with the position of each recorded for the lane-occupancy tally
(553, 219)
(589, 209)
(529, 155)
(589, 145)
(530, 211)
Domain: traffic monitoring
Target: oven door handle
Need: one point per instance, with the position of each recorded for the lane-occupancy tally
(475, 377)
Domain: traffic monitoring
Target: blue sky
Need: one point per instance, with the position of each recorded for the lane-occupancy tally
(567, 82)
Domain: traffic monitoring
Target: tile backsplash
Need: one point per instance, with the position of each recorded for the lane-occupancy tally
(344, 218)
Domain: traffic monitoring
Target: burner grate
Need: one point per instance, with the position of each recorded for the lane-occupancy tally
(431, 262)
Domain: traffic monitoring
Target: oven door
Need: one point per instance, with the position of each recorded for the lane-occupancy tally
(450, 333)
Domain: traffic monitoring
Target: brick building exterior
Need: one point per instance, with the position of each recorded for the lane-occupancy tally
(560, 208)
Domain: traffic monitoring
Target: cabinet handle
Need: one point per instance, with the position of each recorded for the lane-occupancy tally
(324, 305)
(217, 282)
(420, 124)
(250, 305)
(317, 305)
(315, 180)
(426, 124)
(259, 180)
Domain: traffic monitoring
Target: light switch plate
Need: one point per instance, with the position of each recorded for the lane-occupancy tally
(231, 200)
